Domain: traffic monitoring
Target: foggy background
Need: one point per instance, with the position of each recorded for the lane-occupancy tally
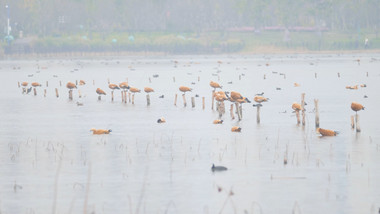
(44, 17)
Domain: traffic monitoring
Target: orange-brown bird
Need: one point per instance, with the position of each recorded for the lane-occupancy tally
(70, 85)
(24, 84)
(260, 99)
(243, 100)
(113, 86)
(148, 89)
(215, 85)
(220, 96)
(35, 84)
(82, 82)
(296, 106)
(100, 131)
(326, 132)
(184, 89)
(124, 85)
(363, 85)
(352, 87)
(356, 106)
(217, 122)
(235, 129)
(296, 85)
(100, 91)
(235, 95)
(134, 90)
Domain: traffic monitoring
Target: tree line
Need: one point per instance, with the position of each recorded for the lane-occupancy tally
(56, 17)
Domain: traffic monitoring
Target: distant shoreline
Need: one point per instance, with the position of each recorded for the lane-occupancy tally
(259, 51)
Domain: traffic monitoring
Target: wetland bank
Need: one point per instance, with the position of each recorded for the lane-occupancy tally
(51, 162)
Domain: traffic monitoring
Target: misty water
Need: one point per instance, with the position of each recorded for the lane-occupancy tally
(51, 163)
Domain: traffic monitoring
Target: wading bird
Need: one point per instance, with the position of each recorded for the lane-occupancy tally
(124, 86)
(100, 92)
(82, 82)
(260, 99)
(134, 90)
(296, 106)
(184, 89)
(113, 86)
(356, 107)
(36, 84)
(148, 89)
(70, 85)
(215, 85)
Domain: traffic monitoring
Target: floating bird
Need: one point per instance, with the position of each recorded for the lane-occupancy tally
(365, 96)
(100, 131)
(235, 129)
(134, 90)
(79, 104)
(260, 94)
(326, 132)
(356, 106)
(161, 120)
(113, 86)
(217, 122)
(352, 87)
(36, 84)
(260, 99)
(296, 85)
(215, 85)
(235, 96)
(184, 89)
(100, 91)
(218, 168)
(363, 85)
(70, 85)
(148, 89)
(155, 75)
(162, 96)
(82, 82)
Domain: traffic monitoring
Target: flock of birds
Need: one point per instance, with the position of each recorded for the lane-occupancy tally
(219, 96)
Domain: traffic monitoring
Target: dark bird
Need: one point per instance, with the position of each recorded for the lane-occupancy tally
(162, 96)
(218, 168)
(161, 120)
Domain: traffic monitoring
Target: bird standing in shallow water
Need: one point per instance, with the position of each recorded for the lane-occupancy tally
(356, 107)
(148, 89)
(215, 85)
(184, 89)
(100, 91)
